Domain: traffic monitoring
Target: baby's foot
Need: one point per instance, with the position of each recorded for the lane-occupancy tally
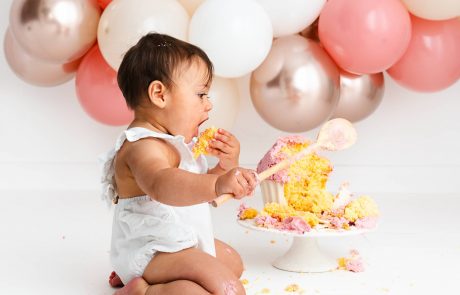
(114, 280)
(137, 286)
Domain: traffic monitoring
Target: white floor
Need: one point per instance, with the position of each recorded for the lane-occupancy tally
(58, 243)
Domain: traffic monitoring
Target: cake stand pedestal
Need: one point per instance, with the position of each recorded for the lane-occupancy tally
(305, 255)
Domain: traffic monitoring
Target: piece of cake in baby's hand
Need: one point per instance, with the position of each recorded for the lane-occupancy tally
(199, 148)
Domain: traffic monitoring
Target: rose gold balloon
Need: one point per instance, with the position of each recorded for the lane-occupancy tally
(56, 31)
(359, 95)
(33, 70)
(296, 88)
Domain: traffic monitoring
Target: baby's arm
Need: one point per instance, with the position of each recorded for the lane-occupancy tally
(154, 163)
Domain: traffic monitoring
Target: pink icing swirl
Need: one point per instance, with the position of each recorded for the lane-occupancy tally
(274, 156)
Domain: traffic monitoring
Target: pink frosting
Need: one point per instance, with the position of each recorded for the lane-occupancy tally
(274, 156)
(366, 222)
(241, 209)
(355, 264)
(338, 222)
(293, 224)
(266, 221)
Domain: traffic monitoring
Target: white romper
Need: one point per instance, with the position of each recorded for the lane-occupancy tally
(143, 226)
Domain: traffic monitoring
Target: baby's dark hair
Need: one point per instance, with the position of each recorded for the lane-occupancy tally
(156, 57)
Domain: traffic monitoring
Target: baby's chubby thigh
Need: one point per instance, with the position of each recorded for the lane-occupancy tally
(194, 265)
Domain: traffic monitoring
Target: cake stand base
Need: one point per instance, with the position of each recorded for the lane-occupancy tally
(304, 255)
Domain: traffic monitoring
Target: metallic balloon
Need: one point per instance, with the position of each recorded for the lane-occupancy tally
(33, 70)
(359, 95)
(296, 88)
(56, 31)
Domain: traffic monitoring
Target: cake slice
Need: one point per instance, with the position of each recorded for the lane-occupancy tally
(199, 148)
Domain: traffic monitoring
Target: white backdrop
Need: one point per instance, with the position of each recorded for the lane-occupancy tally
(409, 144)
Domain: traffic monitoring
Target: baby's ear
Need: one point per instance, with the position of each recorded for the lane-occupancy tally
(157, 93)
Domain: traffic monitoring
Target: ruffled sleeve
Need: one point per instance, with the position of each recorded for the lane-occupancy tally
(109, 192)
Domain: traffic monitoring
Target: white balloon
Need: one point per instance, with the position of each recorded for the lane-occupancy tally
(291, 16)
(225, 100)
(124, 22)
(433, 9)
(191, 5)
(237, 35)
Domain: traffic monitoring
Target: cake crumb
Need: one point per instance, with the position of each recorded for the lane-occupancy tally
(292, 288)
(265, 291)
(386, 290)
(272, 242)
(244, 281)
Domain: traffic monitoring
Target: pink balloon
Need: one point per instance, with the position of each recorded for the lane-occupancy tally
(365, 36)
(103, 3)
(432, 61)
(98, 91)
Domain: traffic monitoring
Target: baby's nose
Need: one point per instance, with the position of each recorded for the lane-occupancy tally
(209, 106)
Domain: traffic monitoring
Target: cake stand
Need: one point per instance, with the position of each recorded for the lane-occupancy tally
(305, 255)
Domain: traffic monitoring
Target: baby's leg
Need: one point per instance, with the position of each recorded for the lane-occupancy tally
(196, 266)
(114, 280)
(138, 286)
(228, 256)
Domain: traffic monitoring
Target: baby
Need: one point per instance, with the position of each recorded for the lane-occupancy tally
(162, 237)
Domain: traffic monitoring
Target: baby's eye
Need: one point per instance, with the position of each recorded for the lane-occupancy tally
(203, 95)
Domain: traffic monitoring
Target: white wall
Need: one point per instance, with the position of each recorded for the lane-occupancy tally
(409, 144)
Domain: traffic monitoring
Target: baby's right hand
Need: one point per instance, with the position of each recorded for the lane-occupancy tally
(238, 181)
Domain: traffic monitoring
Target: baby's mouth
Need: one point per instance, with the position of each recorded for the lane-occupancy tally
(197, 129)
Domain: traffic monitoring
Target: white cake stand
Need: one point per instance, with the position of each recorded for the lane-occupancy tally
(304, 255)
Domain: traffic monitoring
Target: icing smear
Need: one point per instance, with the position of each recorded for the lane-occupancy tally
(275, 155)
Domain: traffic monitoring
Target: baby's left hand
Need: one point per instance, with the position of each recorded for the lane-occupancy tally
(226, 147)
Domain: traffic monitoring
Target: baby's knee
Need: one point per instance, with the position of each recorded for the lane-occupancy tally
(233, 287)
(238, 267)
(224, 282)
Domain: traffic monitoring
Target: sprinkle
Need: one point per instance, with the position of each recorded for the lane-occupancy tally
(292, 288)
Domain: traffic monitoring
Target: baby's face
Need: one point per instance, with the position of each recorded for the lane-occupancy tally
(190, 103)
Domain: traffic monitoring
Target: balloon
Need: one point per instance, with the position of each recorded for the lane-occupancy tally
(296, 88)
(57, 31)
(432, 61)
(359, 95)
(33, 70)
(236, 35)
(433, 9)
(365, 36)
(291, 16)
(98, 91)
(103, 3)
(311, 32)
(191, 5)
(225, 100)
(124, 22)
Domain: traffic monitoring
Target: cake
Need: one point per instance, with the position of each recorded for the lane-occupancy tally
(296, 198)
(202, 143)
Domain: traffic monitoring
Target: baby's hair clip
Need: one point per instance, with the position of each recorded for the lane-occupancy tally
(164, 44)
